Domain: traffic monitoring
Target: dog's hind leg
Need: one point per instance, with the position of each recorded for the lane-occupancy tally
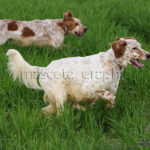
(51, 108)
(54, 106)
(3, 33)
(56, 98)
(3, 39)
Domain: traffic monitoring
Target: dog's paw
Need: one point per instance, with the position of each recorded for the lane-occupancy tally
(45, 111)
(109, 106)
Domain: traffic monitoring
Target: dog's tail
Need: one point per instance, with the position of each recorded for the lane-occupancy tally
(19, 68)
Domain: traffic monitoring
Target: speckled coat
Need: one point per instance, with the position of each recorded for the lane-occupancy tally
(50, 32)
(82, 79)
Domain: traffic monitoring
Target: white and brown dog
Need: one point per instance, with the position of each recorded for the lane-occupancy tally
(49, 32)
(82, 79)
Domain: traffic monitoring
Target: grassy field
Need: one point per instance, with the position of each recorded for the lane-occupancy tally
(22, 125)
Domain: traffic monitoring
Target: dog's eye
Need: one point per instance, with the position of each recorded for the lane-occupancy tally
(134, 48)
(77, 24)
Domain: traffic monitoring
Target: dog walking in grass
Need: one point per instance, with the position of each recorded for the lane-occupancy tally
(49, 32)
(82, 79)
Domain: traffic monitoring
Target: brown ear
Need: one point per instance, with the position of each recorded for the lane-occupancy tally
(67, 15)
(117, 38)
(118, 48)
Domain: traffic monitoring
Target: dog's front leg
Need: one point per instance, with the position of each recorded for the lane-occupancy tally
(110, 97)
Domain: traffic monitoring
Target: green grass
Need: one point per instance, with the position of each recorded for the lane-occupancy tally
(22, 125)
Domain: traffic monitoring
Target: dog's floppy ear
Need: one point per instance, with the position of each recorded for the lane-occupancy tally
(118, 48)
(67, 15)
(117, 38)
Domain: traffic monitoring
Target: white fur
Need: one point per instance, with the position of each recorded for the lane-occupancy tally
(77, 78)
(19, 68)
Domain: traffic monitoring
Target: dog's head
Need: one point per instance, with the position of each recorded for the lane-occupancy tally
(129, 51)
(73, 25)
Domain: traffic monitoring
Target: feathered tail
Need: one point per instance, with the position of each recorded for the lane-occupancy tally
(19, 68)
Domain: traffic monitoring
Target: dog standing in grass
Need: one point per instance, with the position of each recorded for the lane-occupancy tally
(49, 32)
(82, 79)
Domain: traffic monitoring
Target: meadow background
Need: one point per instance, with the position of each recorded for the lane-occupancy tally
(24, 127)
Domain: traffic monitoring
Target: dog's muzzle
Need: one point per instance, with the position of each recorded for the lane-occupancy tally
(147, 56)
(81, 34)
(85, 29)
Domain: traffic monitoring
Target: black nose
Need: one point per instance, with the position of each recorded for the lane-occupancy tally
(85, 29)
(148, 55)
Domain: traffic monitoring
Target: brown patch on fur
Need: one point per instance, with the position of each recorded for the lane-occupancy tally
(71, 24)
(26, 32)
(109, 94)
(117, 38)
(101, 92)
(62, 25)
(67, 15)
(68, 21)
(12, 26)
(120, 67)
(118, 48)
(141, 55)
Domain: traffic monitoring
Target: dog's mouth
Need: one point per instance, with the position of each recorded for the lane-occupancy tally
(78, 34)
(136, 63)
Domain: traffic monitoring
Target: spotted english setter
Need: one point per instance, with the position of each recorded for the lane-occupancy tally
(49, 32)
(81, 79)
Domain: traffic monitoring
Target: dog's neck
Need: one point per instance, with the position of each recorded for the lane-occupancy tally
(63, 26)
(121, 67)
